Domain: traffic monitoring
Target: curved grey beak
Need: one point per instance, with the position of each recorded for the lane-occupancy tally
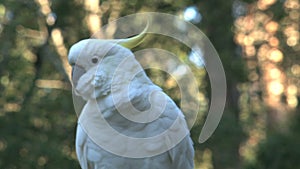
(77, 72)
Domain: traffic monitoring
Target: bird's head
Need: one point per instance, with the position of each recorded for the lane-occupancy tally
(93, 62)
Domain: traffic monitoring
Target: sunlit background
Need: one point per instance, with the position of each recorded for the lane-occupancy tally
(258, 43)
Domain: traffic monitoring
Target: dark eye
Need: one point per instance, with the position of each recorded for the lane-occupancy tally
(95, 60)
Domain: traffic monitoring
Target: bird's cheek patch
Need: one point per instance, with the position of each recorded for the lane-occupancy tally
(101, 84)
(99, 79)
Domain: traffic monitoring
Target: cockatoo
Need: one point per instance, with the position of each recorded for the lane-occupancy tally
(127, 122)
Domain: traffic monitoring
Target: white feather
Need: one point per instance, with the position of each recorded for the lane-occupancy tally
(98, 82)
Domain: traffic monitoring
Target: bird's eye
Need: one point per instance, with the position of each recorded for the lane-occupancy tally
(95, 60)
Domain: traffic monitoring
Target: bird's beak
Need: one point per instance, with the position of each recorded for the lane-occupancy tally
(77, 72)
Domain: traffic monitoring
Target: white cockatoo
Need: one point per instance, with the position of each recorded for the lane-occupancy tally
(127, 122)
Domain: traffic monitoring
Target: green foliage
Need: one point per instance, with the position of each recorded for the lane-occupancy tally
(280, 149)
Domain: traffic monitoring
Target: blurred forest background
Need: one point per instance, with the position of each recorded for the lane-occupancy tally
(258, 43)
